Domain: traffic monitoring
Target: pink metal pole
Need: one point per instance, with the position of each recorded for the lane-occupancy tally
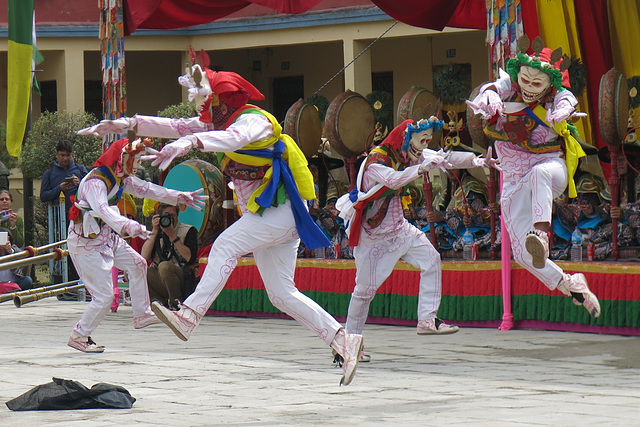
(505, 255)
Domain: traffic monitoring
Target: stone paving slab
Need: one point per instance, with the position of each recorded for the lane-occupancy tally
(267, 372)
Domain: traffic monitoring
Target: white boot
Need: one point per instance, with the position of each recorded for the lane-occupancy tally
(181, 322)
(537, 244)
(86, 345)
(349, 347)
(575, 285)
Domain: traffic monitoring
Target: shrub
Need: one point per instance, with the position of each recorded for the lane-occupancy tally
(38, 153)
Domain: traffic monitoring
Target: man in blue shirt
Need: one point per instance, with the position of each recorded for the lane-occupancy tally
(64, 175)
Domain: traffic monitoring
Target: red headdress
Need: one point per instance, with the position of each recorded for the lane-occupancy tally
(232, 89)
(396, 137)
(123, 151)
(112, 155)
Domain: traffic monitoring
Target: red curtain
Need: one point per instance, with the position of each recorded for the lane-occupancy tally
(437, 14)
(168, 14)
(595, 45)
(530, 19)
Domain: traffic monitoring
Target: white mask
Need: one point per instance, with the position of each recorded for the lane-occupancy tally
(533, 83)
(132, 157)
(418, 142)
(197, 84)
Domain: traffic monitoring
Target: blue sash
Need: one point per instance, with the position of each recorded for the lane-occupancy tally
(309, 232)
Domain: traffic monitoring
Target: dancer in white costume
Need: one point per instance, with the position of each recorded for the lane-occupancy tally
(94, 241)
(526, 112)
(379, 231)
(271, 179)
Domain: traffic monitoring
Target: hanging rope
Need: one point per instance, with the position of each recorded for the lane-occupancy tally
(354, 59)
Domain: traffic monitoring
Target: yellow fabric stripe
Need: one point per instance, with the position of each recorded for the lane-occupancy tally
(18, 94)
(292, 155)
(379, 150)
(557, 24)
(573, 150)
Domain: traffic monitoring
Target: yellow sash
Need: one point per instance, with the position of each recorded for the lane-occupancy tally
(573, 150)
(292, 155)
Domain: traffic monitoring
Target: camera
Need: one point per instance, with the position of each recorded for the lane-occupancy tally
(166, 220)
(5, 214)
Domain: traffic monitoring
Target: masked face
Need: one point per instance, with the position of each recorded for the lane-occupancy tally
(219, 115)
(418, 142)
(197, 84)
(132, 157)
(534, 84)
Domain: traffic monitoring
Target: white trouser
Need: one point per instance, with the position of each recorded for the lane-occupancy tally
(274, 241)
(94, 264)
(529, 201)
(375, 262)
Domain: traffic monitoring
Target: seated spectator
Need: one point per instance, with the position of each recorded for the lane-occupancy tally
(9, 219)
(326, 217)
(467, 207)
(591, 212)
(564, 221)
(172, 248)
(13, 275)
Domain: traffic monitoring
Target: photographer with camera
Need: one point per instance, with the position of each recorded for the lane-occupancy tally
(172, 248)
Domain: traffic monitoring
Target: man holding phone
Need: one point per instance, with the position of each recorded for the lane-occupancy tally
(64, 176)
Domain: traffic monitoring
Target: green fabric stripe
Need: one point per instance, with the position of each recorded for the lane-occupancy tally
(456, 308)
(561, 309)
(383, 305)
(21, 21)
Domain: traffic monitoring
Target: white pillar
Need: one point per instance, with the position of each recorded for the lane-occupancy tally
(357, 76)
(71, 86)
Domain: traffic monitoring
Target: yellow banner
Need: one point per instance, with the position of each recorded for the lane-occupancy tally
(18, 94)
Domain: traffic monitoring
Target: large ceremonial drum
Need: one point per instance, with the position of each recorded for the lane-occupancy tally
(474, 122)
(614, 107)
(303, 124)
(419, 103)
(349, 124)
(194, 174)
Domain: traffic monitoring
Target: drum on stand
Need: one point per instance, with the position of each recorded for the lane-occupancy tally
(614, 121)
(302, 123)
(614, 107)
(420, 103)
(350, 126)
(192, 175)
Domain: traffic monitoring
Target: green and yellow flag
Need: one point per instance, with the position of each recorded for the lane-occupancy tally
(21, 55)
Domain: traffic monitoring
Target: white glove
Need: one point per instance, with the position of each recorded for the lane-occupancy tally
(487, 162)
(169, 152)
(196, 199)
(431, 160)
(135, 229)
(487, 104)
(106, 127)
(560, 112)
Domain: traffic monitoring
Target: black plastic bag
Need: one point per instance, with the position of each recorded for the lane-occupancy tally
(68, 394)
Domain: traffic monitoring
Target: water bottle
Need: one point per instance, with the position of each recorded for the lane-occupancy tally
(467, 246)
(82, 294)
(576, 245)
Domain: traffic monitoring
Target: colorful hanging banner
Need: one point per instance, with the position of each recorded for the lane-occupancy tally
(21, 61)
